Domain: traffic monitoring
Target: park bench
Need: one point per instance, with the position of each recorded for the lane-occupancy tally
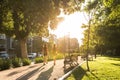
(71, 60)
(83, 57)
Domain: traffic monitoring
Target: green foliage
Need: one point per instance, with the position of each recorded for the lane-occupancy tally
(111, 3)
(16, 62)
(103, 68)
(91, 4)
(32, 16)
(104, 27)
(38, 59)
(26, 61)
(54, 23)
(108, 3)
(5, 64)
(58, 55)
(6, 21)
(22, 18)
(109, 32)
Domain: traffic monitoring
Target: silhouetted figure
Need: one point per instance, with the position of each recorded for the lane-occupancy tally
(45, 52)
(54, 53)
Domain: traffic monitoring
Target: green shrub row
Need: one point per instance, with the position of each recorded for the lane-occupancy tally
(15, 62)
(26, 61)
(18, 62)
(38, 59)
(5, 64)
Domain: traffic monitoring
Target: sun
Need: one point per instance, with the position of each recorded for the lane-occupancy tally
(71, 25)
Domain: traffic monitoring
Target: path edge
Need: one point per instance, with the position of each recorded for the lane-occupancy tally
(68, 73)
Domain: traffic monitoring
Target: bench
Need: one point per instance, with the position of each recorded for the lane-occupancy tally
(72, 60)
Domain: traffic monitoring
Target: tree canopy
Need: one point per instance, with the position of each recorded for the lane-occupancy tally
(24, 17)
(105, 26)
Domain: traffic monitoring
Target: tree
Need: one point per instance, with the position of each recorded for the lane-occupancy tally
(27, 17)
(6, 21)
(105, 26)
(108, 32)
(90, 8)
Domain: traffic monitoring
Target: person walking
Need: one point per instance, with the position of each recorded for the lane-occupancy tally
(54, 53)
(45, 53)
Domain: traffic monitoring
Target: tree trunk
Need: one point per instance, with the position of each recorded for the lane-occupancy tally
(95, 56)
(23, 47)
(88, 43)
(88, 69)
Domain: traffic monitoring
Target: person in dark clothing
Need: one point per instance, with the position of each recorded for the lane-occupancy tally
(54, 53)
(45, 53)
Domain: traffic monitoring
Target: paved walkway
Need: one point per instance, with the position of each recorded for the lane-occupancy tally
(35, 72)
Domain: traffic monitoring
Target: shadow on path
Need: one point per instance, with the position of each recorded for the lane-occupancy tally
(94, 75)
(115, 64)
(46, 74)
(19, 71)
(115, 58)
(80, 72)
(30, 74)
(67, 69)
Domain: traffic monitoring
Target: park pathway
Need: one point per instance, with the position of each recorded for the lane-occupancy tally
(36, 72)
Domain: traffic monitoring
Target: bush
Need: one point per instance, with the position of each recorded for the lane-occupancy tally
(5, 64)
(16, 62)
(38, 59)
(59, 56)
(26, 61)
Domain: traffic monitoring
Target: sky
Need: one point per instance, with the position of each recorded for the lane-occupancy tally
(71, 25)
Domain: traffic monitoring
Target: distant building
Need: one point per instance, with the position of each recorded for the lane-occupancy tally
(34, 44)
(66, 44)
(6, 44)
(3, 44)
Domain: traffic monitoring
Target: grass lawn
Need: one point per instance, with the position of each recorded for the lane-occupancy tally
(102, 68)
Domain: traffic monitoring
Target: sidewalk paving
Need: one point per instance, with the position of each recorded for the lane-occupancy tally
(35, 72)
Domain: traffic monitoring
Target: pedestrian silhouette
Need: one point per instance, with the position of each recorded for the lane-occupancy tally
(45, 53)
(54, 53)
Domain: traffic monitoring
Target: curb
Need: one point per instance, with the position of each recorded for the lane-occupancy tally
(68, 73)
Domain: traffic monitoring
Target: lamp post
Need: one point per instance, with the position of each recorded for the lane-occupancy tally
(69, 43)
(64, 45)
